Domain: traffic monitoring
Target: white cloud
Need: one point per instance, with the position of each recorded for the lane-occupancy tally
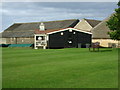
(34, 12)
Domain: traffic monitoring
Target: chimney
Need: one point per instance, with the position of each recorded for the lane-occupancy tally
(42, 27)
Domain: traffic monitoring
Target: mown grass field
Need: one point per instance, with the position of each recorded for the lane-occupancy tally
(60, 68)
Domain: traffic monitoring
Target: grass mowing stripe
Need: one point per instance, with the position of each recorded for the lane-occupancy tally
(59, 68)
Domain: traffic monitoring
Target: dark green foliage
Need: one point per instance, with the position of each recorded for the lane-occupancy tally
(118, 3)
(114, 24)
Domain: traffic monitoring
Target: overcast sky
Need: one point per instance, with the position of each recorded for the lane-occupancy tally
(17, 12)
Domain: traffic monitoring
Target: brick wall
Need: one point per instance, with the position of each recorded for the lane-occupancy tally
(2, 40)
(19, 40)
(83, 25)
(105, 42)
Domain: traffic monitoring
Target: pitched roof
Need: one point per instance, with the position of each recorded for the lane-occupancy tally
(28, 29)
(92, 22)
(37, 31)
(101, 30)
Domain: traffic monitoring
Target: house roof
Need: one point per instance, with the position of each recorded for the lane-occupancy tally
(28, 29)
(101, 30)
(37, 31)
(92, 22)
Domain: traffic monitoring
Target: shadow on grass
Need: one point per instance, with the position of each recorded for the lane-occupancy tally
(105, 50)
(101, 50)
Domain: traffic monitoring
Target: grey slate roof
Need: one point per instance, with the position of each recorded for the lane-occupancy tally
(101, 30)
(92, 22)
(28, 29)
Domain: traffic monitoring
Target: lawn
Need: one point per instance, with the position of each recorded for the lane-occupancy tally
(60, 68)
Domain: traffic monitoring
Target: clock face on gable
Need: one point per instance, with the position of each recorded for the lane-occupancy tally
(40, 38)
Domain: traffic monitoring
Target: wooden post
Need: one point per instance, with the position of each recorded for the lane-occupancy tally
(35, 42)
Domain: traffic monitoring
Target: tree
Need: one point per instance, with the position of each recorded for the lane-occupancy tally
(114, 24)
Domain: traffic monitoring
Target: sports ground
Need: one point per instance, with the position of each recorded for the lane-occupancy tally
(59, 68)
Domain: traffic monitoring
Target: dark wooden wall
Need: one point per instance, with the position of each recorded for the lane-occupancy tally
(57, 40)
(84, 38)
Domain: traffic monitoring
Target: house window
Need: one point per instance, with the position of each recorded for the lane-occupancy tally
(69, 41)
(73, 32)
(39, 38)
(70, 30)
(62, 33)
(12, 39)
(22, 40)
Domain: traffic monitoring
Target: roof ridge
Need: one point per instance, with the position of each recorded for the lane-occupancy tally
(92, 22)
(92, 19)
(46, 21)
(102, 22)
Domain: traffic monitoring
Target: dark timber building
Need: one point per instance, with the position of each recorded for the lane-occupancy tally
(52, 34)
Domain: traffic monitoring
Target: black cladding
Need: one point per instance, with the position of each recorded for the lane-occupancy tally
(68, 39)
